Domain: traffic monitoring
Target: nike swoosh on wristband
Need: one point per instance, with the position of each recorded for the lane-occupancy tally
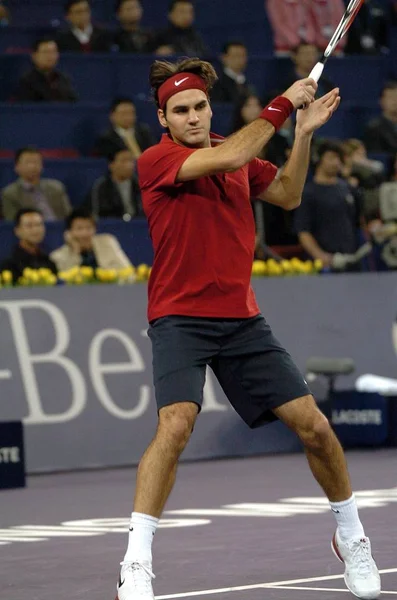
(177, 83)
(277, 109)
(334, 510)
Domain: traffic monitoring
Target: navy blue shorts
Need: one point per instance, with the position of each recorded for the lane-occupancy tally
(256, 373)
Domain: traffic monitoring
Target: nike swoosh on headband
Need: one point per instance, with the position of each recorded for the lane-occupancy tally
(177, 83)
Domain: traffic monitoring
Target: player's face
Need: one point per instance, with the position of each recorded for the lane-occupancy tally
(31, 228)
(188, 117)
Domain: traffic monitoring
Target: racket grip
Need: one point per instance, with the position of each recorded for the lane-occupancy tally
(316, 71)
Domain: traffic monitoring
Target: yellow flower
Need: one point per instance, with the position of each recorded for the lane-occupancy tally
(7, 277)
(142, 272)
(87, 272)
(259, 268)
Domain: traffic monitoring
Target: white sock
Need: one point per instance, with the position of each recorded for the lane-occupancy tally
(346, 515)
(140, 538)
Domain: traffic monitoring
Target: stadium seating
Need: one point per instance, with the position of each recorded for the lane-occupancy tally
(78, 175)
(133, 237)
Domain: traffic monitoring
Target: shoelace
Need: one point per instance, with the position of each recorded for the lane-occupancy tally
(142, 576)
(361, 554)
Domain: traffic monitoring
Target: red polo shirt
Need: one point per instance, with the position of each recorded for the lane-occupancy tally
(203, 234)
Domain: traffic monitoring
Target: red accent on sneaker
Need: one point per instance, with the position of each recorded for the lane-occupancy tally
(336, 549)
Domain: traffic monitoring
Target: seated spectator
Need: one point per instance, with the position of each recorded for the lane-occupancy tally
(313, 22)
(125, 131)
(4, 14)
(32, 191)
(180, 37)
(81, 35)
(363, 174)
(381, 133)
(304, 57)
(232, 85)
(117, 194)
(388, 197)
(44, 82)
(327, 219)
(84, 247)
(131, 37)
(30, 231)
(369, 33)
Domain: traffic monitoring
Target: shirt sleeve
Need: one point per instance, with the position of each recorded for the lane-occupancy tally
(159, 166)
(261, 173)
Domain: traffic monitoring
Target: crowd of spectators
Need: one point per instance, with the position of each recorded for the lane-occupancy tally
(351, 193)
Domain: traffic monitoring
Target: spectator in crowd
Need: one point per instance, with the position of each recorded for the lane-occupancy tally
(44, 82)
(388, 197)
(30, 231)
(81, 35)
(117, 193)
(327, 219)
(180, 37)
(232, 84)
(311, 21)
(125, 131)
(4, 14)
(381, 133)
(132, 37)
(84, 247)
(32, 191)
(304, 57)
(369, 33)
(364, 174)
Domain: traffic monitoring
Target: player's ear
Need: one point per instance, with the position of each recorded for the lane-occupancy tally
(161, 118)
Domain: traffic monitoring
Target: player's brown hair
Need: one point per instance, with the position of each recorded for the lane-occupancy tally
(161, 70)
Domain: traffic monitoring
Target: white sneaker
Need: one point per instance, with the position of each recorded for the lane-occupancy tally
(361, 573)
(135, 582)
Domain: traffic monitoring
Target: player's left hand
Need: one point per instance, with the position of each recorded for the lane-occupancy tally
(318, 112)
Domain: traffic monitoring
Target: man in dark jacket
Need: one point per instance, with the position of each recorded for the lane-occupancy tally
(82, 35)
(381, 133)
(30, 231)
(131, 37)
(117, 194)
(232, 84)
(44, 82)
(125, 132)
(180, 37)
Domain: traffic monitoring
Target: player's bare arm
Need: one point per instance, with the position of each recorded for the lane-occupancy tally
(286, 190)
(241, 147)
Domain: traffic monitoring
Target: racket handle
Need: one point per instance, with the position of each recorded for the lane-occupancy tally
(316, 71)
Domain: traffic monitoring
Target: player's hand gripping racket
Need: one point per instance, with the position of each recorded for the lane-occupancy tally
(347, 19)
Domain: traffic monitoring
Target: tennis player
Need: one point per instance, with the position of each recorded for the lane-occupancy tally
(196, 190)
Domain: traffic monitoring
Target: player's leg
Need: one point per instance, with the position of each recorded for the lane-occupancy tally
(263, 383)
(181, 351)
(157, 468)
(323, 450)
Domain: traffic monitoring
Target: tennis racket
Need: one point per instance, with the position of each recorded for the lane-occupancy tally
(347, 19)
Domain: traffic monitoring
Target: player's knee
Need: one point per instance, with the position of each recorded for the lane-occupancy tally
(176, 424)
(318, 433)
